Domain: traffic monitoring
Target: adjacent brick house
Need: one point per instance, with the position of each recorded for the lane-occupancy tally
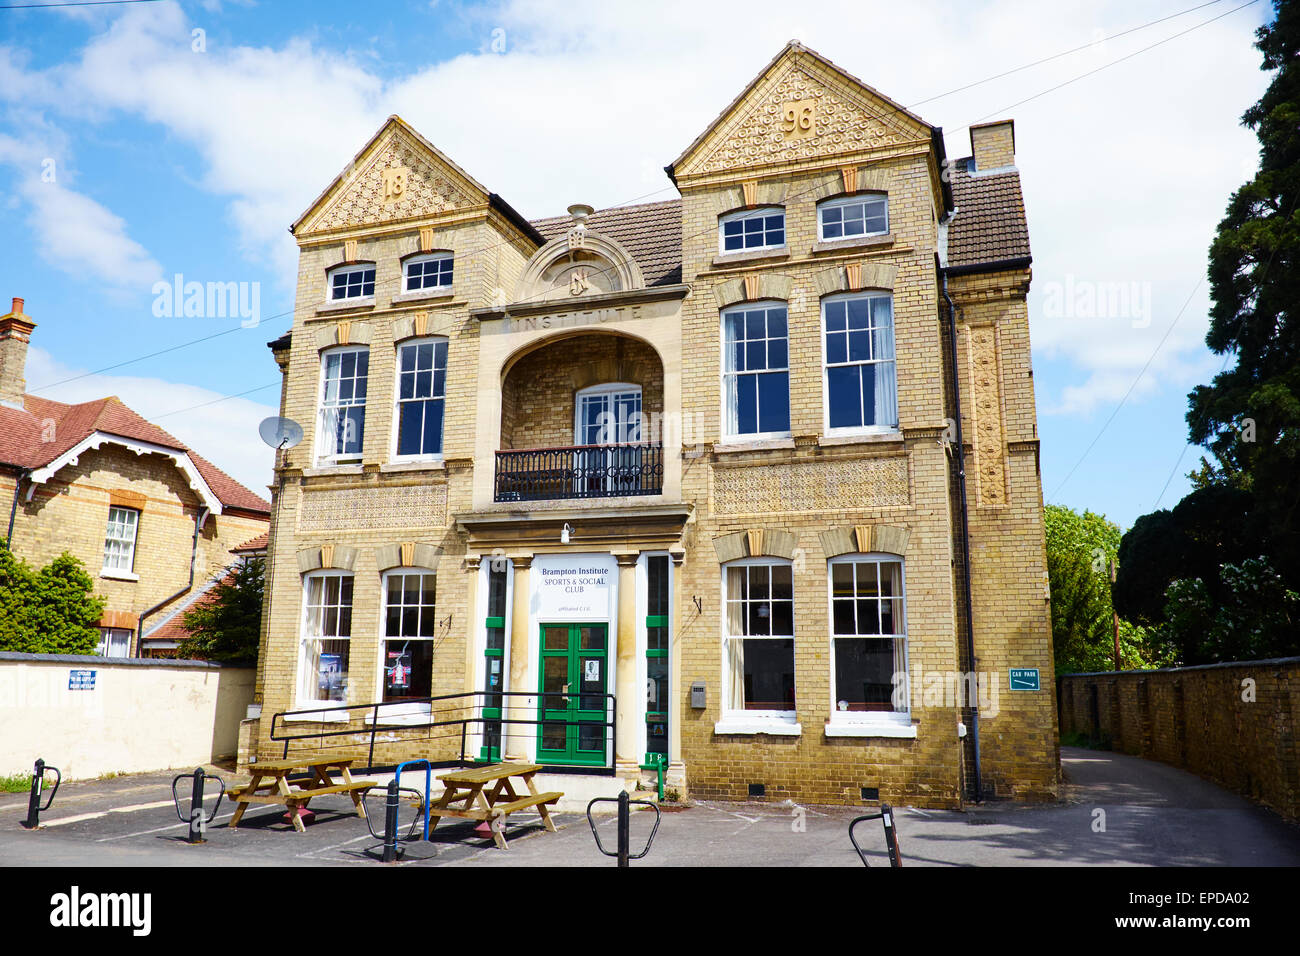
(683, 479)
(151, 519)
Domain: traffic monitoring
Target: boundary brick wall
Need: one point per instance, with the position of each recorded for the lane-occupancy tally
(1202, 719)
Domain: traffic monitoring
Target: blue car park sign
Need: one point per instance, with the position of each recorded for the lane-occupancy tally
(1024, 678)
(81, 680)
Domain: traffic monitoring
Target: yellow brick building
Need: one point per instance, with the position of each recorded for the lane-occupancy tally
(677, 485)
(153, 521)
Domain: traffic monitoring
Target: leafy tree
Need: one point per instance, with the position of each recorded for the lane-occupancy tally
(1208, 528)
(1214, 573)
(16, 584)
(50, 611)
(1080, 548)
(66, 611)
(227, 627)
(1249, 416)
(1257, 617)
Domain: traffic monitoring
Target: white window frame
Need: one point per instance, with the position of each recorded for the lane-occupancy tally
(429, 290)
(608, 388)
(854, 200)
(864, 721)
(397, 711)
(127, 546)
(745, 214)
(302, 701)
(728, 435)
(106, 641)
(325, 437)
(398, 401)
(349, 268)
(826, 367)
(737, 719)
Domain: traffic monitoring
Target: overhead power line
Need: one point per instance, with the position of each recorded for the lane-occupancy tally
(71, 3)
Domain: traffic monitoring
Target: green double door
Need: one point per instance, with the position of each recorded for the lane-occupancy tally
(573, 708)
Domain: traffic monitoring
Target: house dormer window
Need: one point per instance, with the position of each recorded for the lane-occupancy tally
(853, 217)
(427, 272)
(352, 282)
(752, 229)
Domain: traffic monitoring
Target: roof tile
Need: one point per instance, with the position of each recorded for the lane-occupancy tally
(41, 431)
(651, 233)
(990, 224)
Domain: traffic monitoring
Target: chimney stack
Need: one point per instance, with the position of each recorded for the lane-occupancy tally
(15, 332)
(993, 145)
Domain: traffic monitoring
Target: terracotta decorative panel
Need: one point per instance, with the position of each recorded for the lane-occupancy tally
(811, 486)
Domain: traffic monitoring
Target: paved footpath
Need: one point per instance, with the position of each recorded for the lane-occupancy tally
(1153, 815)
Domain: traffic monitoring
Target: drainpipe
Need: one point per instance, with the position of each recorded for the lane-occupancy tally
(965, 536)
(200, 516)
(21, 475)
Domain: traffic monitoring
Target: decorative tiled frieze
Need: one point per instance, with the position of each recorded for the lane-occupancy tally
(811, 486)
(410, 506)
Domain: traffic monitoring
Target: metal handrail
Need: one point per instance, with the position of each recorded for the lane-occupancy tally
(620, 470)
(463, 722)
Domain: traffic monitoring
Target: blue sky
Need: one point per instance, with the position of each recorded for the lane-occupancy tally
(181, 152)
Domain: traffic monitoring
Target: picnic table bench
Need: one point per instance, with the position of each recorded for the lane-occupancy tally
(270, 784)
(486, 794)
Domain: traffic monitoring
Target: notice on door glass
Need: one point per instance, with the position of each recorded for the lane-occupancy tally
(591, 670)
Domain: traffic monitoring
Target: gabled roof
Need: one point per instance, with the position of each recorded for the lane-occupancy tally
(352, 176)
(895, 113)
(989, 226)
(650, 232)
(43, 431)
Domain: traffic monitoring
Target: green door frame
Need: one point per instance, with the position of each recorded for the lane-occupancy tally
(589, 748)
(492, 656)
(659, 715)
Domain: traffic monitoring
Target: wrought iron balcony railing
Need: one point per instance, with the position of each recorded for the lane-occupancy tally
(580, 471)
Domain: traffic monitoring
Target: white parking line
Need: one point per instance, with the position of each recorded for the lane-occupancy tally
(78, 818)
(178, 826)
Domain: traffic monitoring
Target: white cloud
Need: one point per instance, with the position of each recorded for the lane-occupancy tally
(224, 433)
(85, 239)
(71, 231)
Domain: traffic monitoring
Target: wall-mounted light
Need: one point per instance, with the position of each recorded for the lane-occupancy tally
(565, 532)
(699, 604)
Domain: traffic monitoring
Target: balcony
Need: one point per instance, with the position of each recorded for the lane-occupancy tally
(579, 471)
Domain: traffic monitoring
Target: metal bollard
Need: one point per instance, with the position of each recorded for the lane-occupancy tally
(34, 808)
(197, 820)
(390, 822)
(891, 836)
(886, 817)
(197, 825)
(623, 852)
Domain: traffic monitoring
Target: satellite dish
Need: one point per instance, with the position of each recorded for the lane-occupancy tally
(280, 432)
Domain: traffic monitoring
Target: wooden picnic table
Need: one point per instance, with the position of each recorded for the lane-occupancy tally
(487, 794)
(270, 783)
